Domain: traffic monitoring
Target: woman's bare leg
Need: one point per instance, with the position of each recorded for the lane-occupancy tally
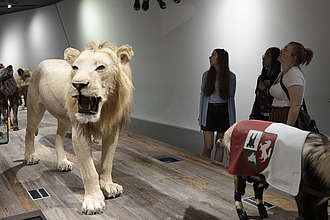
(208, 143)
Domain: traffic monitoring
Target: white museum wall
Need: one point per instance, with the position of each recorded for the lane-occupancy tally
(27, 38)
(172, 46)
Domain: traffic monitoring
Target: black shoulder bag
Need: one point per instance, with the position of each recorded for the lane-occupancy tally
(304, 121)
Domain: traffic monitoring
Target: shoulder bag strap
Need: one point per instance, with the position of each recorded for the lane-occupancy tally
(284, 88)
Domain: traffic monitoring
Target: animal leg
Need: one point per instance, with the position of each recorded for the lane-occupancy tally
(240, 185)
(258, 194)
(33, 119)
(298, 199)
(94, 198)
(15, 111)
(309, 205)
(322, 210)
(20, 101)
(4, 110)
(24, 97)
(109, 188)
(63, 163)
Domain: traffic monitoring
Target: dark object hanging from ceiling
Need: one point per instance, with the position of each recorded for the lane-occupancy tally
(145, 4)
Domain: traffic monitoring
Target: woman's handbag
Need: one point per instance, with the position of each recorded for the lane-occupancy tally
(304, 121)
(263, 98)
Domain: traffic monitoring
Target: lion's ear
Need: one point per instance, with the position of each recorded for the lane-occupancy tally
(125, 53)
(20, 71)
(70, 55)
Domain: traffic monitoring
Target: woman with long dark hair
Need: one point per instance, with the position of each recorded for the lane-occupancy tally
(217, 105)
(263, 100)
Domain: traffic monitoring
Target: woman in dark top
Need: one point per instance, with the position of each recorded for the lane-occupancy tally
(263, 100)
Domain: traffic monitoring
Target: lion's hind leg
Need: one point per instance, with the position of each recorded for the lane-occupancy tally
(109, 188)
(33, 119)
(63, 163)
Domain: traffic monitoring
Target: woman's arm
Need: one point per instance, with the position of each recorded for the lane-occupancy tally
(203, 82)
(295, 93)
(232, 84)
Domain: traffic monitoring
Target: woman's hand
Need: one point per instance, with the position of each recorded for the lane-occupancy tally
(261, 86)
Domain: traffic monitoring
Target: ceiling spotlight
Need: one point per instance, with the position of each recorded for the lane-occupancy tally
(9, 6)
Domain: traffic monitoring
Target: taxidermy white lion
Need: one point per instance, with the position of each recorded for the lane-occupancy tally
(92, 92)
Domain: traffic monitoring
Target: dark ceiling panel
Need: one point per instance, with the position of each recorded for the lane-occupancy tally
(22, 5)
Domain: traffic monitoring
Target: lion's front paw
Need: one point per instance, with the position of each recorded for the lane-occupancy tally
(65, 165)
(111, 190)
(93, 204)
(31, 159)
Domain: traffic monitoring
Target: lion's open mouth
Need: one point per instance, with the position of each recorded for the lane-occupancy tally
(87, 105)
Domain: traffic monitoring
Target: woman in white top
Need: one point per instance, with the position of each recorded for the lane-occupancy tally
(291, 57)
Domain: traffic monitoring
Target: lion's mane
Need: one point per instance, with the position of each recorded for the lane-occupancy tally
(115, 112)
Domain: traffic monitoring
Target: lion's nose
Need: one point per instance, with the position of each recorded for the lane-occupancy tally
(79, 86)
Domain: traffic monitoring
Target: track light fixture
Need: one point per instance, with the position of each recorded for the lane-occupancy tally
(145, 4)
(8, 3)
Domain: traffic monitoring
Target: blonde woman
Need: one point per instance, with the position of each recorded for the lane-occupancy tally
(292, 57)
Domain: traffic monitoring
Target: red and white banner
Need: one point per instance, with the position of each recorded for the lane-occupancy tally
(271, 149)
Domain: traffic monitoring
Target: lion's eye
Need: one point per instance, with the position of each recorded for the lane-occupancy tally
(100, 67)
(75, 68)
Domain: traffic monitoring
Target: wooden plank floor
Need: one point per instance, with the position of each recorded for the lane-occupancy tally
(193, 188)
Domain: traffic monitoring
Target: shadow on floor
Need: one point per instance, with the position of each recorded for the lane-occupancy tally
(186, 139)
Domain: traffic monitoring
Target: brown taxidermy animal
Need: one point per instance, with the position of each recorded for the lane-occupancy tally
(22, 77)
(8, 92)
(314, 190)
